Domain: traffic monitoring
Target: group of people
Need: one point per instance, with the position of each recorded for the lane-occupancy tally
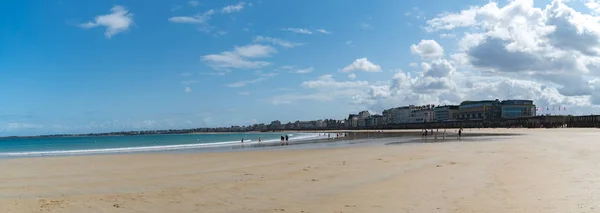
(426, 131)
(337, 135)
(283, 139)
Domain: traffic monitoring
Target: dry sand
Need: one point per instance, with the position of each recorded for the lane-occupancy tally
(545, 171)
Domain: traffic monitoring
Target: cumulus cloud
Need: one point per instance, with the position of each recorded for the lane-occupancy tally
(352, 76)
(555, 44)
(117, 21)
(549, 54)
(362, 64)
(427, 49)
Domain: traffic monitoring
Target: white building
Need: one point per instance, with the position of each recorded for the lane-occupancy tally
(402, 114)
(398, 115)
(421, 114)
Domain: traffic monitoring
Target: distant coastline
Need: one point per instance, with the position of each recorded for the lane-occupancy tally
(585, 121)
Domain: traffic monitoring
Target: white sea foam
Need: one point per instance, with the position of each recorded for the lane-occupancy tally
(147, 148)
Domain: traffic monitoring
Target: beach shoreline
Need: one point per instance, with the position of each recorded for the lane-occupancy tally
(511, 174)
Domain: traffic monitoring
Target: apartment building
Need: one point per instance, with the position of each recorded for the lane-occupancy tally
(445, 113)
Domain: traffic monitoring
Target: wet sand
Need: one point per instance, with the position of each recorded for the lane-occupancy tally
(544, 170)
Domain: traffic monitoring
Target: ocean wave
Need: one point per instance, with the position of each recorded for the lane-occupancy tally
(146, 148)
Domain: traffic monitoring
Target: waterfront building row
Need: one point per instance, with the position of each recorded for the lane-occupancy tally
(484, 110)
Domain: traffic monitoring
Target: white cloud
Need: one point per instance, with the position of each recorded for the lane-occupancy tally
(303, 71)
(415, 13)
(556, 45)
(352, 76)
(549, 54)
(194, 3)
(325, 88)
(427, 49)
(233, 8)
(197, 19)
(447, 35)
(239, 57)
(298, 30)
(255, 51)
(362, 64)
(593, 5)
(232, 60)
(246, 82)
(283, 43)
(188, 89)
(323, 31)
(116, 22)
(349, 43)
(448, 21)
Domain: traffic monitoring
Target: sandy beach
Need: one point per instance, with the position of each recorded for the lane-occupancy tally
(546, 170)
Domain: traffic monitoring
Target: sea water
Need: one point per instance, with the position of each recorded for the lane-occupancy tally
(49, 146)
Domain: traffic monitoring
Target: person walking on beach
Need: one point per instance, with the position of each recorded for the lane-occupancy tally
(444, 135)
(242, 140)
(282, 138)
(286, 139)
(259, 140)
(459, 133)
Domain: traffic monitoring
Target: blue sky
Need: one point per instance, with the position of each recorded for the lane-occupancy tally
(95, 66)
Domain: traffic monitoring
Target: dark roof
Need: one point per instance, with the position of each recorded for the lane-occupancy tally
(477, 102)
(447, 106)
